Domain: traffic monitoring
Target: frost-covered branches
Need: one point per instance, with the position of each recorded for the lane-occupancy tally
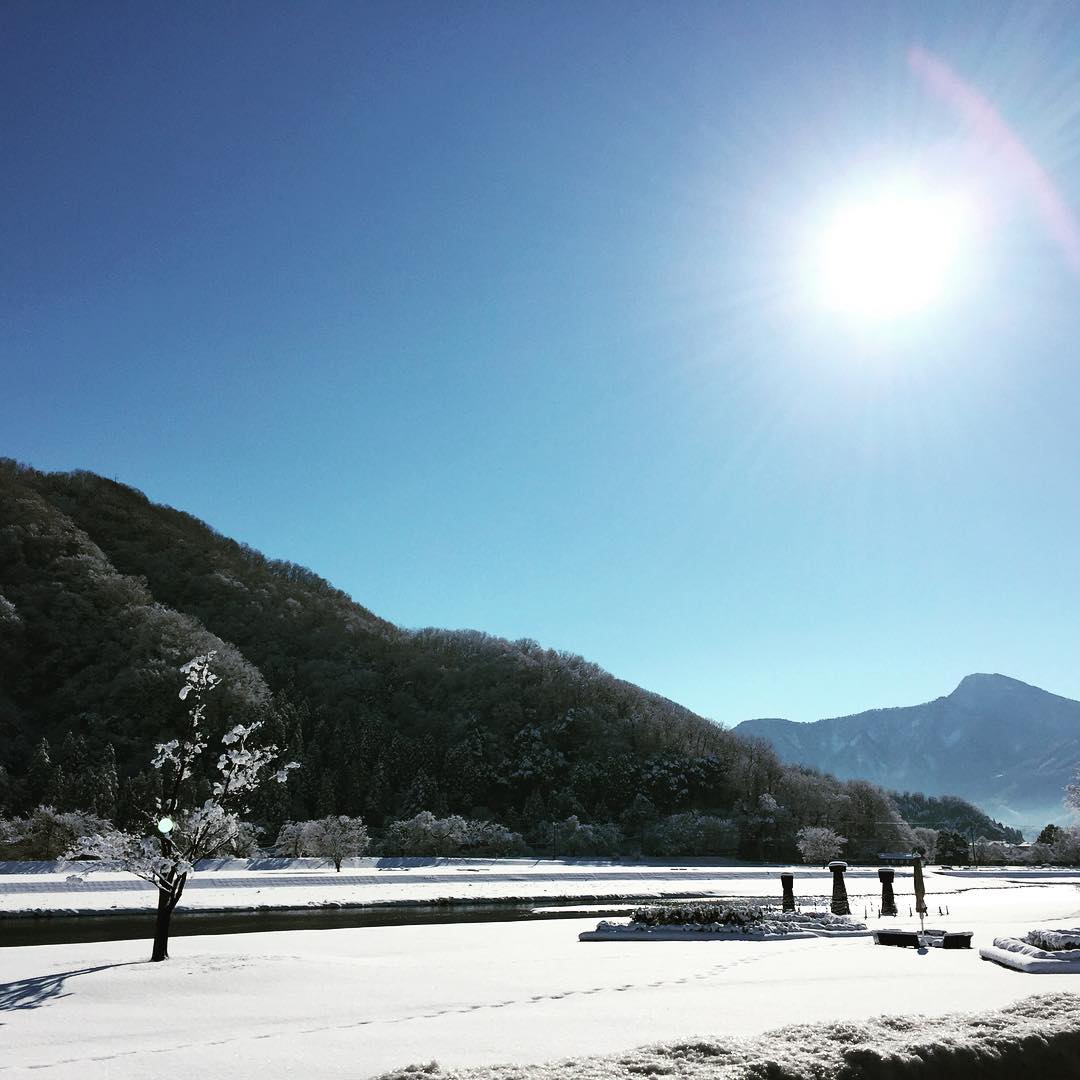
(425, 834)
(336, 837)
(203, 833)
(141, 856)
(46, 833)
(818, 844)
(186, 832)
(1072, 793)
(241, 766)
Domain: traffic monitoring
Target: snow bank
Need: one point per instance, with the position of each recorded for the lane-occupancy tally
(1024, 956)
(1039, 1035)
(775, 927)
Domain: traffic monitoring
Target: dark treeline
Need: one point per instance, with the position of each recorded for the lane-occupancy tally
(103, 594)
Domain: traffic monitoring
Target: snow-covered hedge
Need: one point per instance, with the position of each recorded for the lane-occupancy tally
(769, 925)
(1039, 1036)
(703, 911)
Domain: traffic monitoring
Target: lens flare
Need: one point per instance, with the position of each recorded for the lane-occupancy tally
(891, 253)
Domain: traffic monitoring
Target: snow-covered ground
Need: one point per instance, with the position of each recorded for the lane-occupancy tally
(359, 1002)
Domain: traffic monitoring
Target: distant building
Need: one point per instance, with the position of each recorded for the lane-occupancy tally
(903, 858)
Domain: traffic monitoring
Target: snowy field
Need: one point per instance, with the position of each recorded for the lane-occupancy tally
(359, 1002)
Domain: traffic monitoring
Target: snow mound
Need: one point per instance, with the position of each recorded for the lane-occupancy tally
(1038, 1036)
(771, 928)
(1022, 955)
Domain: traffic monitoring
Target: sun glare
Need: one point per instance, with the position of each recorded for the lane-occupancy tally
(891, 254)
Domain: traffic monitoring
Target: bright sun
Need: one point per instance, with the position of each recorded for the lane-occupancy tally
(891, 254)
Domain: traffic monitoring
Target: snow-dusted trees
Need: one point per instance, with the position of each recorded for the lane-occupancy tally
(290, 841)
(185, 832)
(819, 844)
(692, 834)
(1072, 793)
(926, 841)
(952, 847)
(45, 833)
(1049, 834)
(1066, 846)
(336, 837)
(572, 837)
(425, 834)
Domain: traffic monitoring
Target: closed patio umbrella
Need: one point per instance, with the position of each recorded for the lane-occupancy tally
(920, 890)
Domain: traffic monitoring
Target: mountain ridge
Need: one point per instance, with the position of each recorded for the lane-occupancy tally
(103, 594)
(1004, 744)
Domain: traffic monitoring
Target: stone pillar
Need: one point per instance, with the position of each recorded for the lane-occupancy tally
(888, 901)
(839, 904)
(787, 883)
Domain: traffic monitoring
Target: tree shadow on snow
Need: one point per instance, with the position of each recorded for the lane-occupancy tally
(41, 989)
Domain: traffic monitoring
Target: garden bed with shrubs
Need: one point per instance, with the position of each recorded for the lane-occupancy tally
(718, 920)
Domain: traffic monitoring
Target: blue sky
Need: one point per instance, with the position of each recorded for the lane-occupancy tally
(496, 316)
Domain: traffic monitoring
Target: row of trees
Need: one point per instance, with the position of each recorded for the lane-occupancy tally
(740, 802)
(46, 833)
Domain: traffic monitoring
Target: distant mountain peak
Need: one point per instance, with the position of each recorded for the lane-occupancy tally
(984, 679)
(980, 689)
(987, 741)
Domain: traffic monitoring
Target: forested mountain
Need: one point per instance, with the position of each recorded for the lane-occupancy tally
(103, 594)
(1007, 746)
(952, 813)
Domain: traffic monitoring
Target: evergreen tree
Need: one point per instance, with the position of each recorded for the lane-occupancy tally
(534, 811)
(422, 794)
(637, 817)
(104, 785)
(77, 789)
(1049, 834)
(952, 847)
(43, 779)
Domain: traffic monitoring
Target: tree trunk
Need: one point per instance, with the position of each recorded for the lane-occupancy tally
(161, 927)
(168, 898)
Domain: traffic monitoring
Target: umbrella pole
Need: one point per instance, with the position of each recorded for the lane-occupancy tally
(920, 891)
